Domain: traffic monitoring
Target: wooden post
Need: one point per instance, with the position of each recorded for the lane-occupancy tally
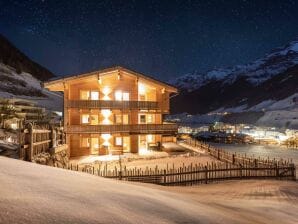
(164, 177)
(31, 141)
(206, 175)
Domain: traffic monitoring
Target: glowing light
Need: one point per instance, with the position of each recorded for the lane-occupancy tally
(106, 91)
(106, 138)
(118, 95)
(94, 95)
(142, 89)
(106, 114)
(99, 80)
(143, 151)
(149, 138)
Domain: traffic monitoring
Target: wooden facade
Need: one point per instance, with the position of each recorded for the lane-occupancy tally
(113, 111)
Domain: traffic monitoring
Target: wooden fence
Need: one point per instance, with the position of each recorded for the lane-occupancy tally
(193, 174)
(235, 158)
(34, 140)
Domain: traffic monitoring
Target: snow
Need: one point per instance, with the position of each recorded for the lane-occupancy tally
(256, 72)
(51, 100)
(32, 193)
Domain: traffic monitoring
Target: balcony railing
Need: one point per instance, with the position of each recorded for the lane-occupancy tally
(111, 104)
(130, 129)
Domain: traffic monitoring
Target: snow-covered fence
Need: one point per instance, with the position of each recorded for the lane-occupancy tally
(235, 158)
(34, 140)
(193, 174)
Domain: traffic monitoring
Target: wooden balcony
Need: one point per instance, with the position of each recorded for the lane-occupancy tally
(129, 129)
(111, 104)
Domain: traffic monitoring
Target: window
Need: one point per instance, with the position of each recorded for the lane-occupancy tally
(94, 119)
(149, 118)
(118, 141)
(126, 96)
(118, 95)
(94, 95)
(118, 119)
(84, 95)
(85, 118)
(142, 118)
(125, 119)
(85, 142)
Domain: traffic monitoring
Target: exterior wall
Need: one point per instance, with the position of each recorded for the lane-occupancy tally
(106, 87)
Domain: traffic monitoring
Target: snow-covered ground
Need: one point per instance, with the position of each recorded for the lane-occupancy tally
(32, 193)
(25, 86)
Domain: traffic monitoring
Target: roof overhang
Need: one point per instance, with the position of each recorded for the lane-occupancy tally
(58, 84)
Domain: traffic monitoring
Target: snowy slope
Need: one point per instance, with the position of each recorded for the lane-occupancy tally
(25, 86)
(256, 72)
(35, 194)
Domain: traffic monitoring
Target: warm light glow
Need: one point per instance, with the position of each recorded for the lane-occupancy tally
(143, 151)
(106, 138)
(99, 80)
(142, 89)
(106, 91)
(149, 138)
(94, 95)
(118, 95)
(85, 118)
(106, 114)
(163, 90)
(118, 141)
(125, 96)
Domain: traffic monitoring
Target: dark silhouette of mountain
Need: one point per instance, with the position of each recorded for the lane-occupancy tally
(11, 56)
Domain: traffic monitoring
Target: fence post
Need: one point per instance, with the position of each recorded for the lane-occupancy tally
(31, 141)
(164, 177)
(206, 175)
(120, 175)
(233, 160)
(276, 171)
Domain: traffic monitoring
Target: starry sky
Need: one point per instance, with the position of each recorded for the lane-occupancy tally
(163, 38)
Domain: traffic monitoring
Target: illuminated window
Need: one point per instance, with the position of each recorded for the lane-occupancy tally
(85, 118)
(94, 95)
(106, 114)
(149, 138)
(84, 95)
(106, 138)
(85, 142)
(149, 118)
(118, 118)
(94, 119)
(118, 141)
(118, 95)
(126, 96)
(125, 119)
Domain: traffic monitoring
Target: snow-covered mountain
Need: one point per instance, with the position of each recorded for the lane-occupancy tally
(22, 78)
(274, 63)
(265, 85)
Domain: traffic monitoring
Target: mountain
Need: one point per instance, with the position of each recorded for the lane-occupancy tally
(267, 84)
(20, 77)
(11, 56)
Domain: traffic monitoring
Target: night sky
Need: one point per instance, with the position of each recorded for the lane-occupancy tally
(162, 38)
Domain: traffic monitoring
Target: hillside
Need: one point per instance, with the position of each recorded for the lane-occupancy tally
(13, 57)
(22, 78)
(32, 193)
(267, 84)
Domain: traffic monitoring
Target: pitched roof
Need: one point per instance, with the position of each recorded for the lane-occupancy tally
(107, 70)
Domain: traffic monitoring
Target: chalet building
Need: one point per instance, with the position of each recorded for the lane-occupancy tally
(114, 111)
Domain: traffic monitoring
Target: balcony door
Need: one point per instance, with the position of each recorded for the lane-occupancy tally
(94, 146)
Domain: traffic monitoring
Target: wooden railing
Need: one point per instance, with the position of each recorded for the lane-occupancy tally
(111, 104)
(193, 174)
(132, 128)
